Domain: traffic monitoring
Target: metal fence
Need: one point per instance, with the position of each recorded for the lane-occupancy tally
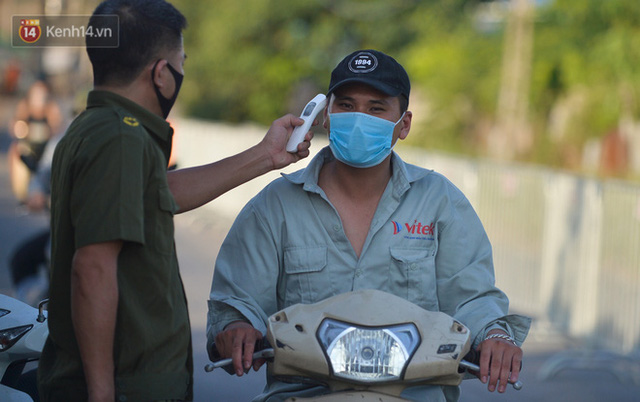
(566, 248)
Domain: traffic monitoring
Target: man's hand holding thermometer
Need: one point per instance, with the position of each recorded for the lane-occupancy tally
(309, 114)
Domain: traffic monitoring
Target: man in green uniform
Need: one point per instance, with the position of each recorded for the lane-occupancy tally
(119, 326)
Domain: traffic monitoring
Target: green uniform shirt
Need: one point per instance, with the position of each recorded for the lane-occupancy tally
(109, 182)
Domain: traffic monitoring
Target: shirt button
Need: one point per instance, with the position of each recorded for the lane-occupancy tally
(412, 267)
(358, 272)
(336, 228)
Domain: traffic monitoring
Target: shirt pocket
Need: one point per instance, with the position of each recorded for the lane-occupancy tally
(413, 274)
(162, 228)
(166, 202)
(304, 281)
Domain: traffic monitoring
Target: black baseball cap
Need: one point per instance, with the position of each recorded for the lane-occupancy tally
(373, 68)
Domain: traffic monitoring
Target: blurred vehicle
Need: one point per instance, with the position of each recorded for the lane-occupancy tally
(23, 331)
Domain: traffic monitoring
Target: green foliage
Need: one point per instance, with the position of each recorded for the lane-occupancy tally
(247, 60)
(248, 57)
(585, 60)
(457, 70)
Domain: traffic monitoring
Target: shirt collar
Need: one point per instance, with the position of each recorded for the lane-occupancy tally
(152, 122)
(402, 174)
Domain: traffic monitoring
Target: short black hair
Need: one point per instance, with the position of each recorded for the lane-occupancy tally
(146, 29)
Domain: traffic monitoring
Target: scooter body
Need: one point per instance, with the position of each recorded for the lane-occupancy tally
(23, 332)
(365, 345)
(367, 340)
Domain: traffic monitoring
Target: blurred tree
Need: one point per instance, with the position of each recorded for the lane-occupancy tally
(585, 76)
(251, 56)
(455, 66)
(255, 60)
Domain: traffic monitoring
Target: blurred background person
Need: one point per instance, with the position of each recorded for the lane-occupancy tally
(30, 158)
(29, 261)
(36, 120)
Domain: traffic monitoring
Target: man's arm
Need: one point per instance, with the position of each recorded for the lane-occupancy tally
(467, 291)
(94, 302)
(239, 308)
(196, 186)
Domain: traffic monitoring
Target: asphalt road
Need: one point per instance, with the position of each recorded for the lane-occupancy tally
(198, 237)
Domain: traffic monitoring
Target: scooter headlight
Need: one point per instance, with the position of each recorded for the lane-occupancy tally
(8, 337)
(369, 354)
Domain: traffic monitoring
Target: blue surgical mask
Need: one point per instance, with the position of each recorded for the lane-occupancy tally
(360, 140)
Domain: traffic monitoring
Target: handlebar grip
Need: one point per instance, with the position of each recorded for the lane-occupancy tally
(262, 354)
(471, 361)
(261, 350)
(472, 357)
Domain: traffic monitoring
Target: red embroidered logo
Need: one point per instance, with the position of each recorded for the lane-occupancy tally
(416, 228)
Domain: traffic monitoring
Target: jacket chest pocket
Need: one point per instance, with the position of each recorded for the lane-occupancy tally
(161, 222)
(304, 281)
(413, 273)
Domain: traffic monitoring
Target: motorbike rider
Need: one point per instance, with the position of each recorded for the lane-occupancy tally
(359, 217)
(118, 318)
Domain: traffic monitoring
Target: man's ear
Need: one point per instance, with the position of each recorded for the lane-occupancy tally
(405, 125)
(159, 72)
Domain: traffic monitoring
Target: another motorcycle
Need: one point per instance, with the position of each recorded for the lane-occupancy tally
(23, 331)
(369, 351)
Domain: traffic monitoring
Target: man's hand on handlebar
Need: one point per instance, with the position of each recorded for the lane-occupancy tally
(238, 341)
(500, 360)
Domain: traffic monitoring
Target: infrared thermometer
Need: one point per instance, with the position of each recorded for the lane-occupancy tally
(309, 114)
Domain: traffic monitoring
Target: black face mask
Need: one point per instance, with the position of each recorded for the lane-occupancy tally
(167, 103)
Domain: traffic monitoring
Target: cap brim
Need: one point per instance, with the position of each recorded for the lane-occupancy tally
(386, 89)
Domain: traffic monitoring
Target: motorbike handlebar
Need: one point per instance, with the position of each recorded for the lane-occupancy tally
(262, 354)
(264, 351)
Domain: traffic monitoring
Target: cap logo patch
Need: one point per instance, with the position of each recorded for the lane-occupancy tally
(363, 62)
